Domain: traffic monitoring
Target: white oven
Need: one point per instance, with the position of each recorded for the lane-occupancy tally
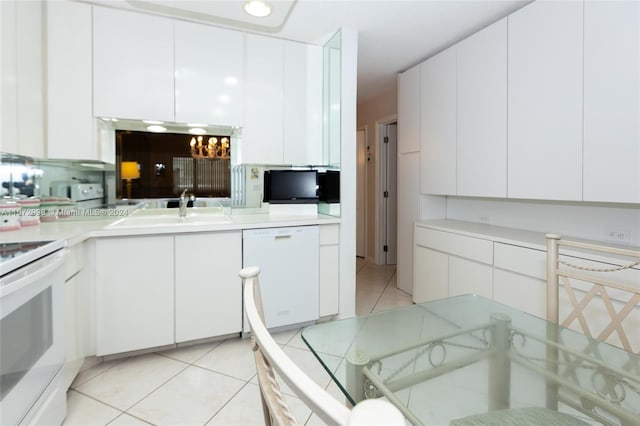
(32, 344)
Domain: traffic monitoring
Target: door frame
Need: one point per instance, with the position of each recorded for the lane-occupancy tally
(361, 196)
(379, 254)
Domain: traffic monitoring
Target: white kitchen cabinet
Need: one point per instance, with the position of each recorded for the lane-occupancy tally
(545, 101)
(134, 293)
(469, 277)
(133, 65)
(302, 104)
(519, 278)
(611, 101)
(482, 113)
(409, 110)
(22, 128)
(76, 321)
(70, 123)
(438, 124)
(283, 92)
(262, 137)
(329, 271)
(8, 77)
(208, 75)
(431, 274)
(208, 290)
(408, 214)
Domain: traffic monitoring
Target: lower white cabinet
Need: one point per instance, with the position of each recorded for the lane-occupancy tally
(519, 278)
(134, 293)
(469, 277)
(75, 314)
(329, 271)
(208, 289)
(431, 275)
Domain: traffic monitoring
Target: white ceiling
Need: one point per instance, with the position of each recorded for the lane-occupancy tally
(393, 35)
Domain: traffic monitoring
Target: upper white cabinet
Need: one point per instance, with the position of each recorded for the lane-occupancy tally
(132, 65)
(612, 101)
(283, 92)
(22, 128)
(482, 113)
(409, 111)
(302, 103)
(262, 137)
(438, 124)
(545, 101)
(70, 124)
(208, 74)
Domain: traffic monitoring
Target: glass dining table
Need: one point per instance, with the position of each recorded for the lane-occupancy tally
(467, 360)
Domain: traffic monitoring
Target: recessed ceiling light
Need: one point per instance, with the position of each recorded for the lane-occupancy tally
(156, 129)
(258, 8)
(197, 131)
(152, 122)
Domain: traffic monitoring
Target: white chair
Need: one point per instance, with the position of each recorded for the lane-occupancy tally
(599, 287)
(270, 358)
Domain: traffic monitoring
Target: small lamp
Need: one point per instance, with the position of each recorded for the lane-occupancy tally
(128, 171)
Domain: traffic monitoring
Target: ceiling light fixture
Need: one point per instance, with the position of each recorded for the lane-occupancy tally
(258, 8)
(156, 129)
(197, 131)
(152, 122)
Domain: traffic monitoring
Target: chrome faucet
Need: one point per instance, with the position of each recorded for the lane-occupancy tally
(184, 200)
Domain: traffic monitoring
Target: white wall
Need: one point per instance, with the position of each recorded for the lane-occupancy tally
(590, 221)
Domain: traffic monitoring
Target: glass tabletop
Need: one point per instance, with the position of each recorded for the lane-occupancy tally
(460, 359)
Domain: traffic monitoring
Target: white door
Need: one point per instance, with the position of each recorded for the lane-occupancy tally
(361, 194)
(390, 192)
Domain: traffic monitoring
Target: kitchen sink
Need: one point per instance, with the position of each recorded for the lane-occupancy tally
(149, 219)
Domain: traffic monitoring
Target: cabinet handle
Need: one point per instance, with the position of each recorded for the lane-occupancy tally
(282, 237)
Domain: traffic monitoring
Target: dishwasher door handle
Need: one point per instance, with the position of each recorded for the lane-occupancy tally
(283, 237)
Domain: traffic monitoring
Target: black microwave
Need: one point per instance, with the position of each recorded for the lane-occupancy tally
(291, 186)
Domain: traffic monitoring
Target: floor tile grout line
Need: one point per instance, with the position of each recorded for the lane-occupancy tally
(228, 401)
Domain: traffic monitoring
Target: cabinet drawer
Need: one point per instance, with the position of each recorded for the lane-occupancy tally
(329, 234)
(459, 245)
(522, 260)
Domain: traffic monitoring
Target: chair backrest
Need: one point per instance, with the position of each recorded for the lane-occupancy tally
(270, 358)
(611, 286)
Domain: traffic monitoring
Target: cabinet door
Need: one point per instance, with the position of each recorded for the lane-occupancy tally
(8, 92)
(431, 275)
(409, 111)
(545, 101)
(469, 277)
(482, 113)
(28, 62)
(70, 126)
(408, 213)
(520, 291)
(612, 101)
(134, 293)
(262, 136)
(302, 108)
(208, 74)
(208, 288)
(132, 65)
(438, 124)
(329, 270)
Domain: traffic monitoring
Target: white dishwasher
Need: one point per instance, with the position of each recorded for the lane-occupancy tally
(288, 259)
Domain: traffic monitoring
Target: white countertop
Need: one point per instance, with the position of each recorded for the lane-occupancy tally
(75, 231)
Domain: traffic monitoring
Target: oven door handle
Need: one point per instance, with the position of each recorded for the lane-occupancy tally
(32, 273)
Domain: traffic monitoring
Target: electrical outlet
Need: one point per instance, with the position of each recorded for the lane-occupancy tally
(618, 236)
(484, 219)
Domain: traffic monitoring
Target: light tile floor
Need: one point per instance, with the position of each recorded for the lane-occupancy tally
(211, 383)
